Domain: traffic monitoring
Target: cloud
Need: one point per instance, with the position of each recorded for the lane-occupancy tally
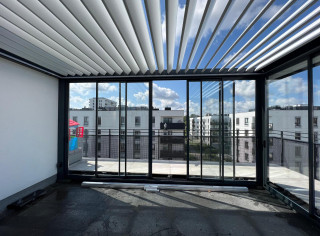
(78, 102)
(284, 101)
(290, 85)
(245, 88)
(142, 95)
(84, 89)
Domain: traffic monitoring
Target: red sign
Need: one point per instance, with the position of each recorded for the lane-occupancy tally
(79, 132)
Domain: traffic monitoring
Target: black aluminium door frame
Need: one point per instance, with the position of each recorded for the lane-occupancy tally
(69, 174)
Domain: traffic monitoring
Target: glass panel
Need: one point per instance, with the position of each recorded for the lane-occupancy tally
(168, 128)
(211, 129)
(108, 128)
(194, 129)
(288, 134)
(245, 154)
(122, 129)
(137, 119)
(316, 126)
(229, 131)
(82, 120)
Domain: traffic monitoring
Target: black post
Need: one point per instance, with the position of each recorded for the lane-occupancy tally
(125, 131)
(109, 143)
(311, 139)
(237, 146)
(222, 127)
(188, 129)
(260, 122)
(63, 134)
(96, 129)
(282, 148)
(150, 130)
(201, 129)
(119, 131)
(233, 127)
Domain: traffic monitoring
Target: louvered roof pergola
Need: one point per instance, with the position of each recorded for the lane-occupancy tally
(73, 38)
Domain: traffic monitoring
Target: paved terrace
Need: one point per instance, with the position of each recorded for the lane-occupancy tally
(296, 183)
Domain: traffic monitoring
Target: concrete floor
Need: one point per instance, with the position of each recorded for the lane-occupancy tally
(69, 209)
(292, 181)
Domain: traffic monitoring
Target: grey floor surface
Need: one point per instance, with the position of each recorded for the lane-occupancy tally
(69, 209)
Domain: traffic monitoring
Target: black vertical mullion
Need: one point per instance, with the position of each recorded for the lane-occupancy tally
(96, 128)
(311, 139)
(119, 132)
(222, 127)
(188, 128)
(125, 128)
(201, 129)
(233, 128)
(220, 134)
(150, 130)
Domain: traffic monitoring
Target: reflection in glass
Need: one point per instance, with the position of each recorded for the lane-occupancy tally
(168, 128)
(137, 129)
(108, 128)
(211, 129)
(288, 134)
(316, 126)
(195, 129)
(82, 122)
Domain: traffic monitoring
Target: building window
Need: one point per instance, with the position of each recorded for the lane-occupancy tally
(86, 120)
(153, 147)
(153, 120)
(270, 126)
(246, 145)
(122, 120)
(167, 120)
(99, 131)
(271, 156)
(99, 120)
(297, 151)
(137, 134)
(122, 147)
(246, 121)
(122, 132)
(99, 146)
(297, 121)
(270, 142)
(237, 121)
(75, 118)
(137, 120)
(315, 121)
(246, 156)
(315, 137)
(297, 136)
(246, 132)
(137, 147)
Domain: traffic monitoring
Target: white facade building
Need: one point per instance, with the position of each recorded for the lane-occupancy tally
(102, 103)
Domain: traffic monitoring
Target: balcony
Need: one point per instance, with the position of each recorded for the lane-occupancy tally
(172, 125)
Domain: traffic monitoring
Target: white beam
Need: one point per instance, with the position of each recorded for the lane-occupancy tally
(204, 21)
(294, 28)
(120, 16)
(287, 21)
(103, 18)
(235, 24)
(263, 10)
(304, 36)
(171, 26)
(213, 35)
(154, 16)
(187, 23)
(260, 31)
(138, 20)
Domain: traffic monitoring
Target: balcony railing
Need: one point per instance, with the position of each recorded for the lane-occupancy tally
(172, 125)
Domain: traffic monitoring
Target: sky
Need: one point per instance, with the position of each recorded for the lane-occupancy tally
(289, 91)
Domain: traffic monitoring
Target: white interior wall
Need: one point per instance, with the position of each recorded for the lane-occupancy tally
(28, 127)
